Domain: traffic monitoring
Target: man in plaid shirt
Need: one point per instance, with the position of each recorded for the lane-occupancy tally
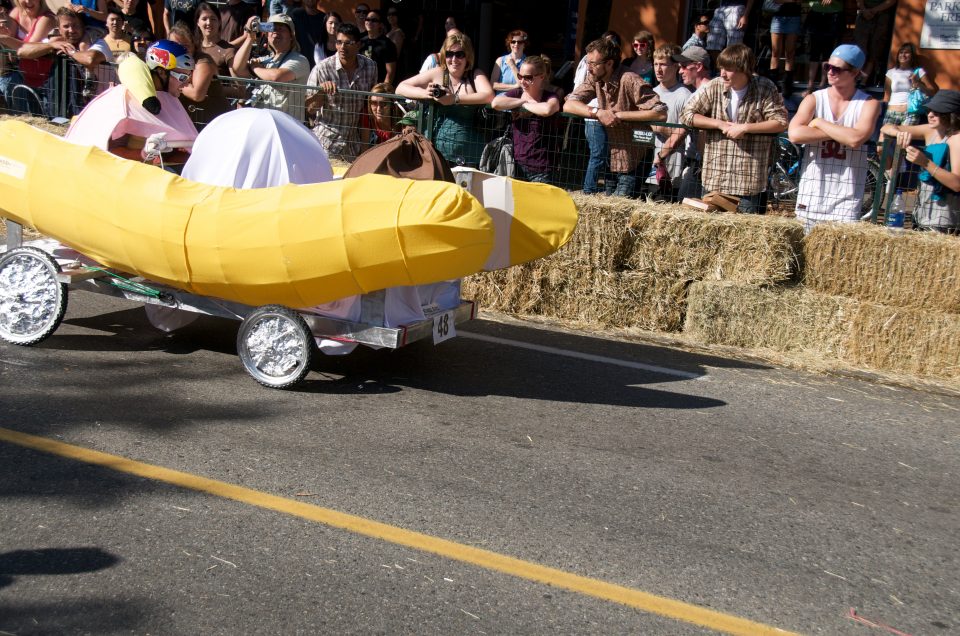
(338, 114)
(625, 103)
(740, 113)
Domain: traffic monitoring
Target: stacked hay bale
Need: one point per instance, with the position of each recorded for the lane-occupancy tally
(870, 297)
(630, 264)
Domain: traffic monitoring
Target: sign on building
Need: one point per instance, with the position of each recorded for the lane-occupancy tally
(941, 25)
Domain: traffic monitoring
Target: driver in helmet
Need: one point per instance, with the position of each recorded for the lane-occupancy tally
(170, 66)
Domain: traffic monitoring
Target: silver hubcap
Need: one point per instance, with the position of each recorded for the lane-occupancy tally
(28, 295)
(275, 346)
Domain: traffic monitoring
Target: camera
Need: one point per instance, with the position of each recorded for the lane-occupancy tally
(437, 92)
(263, 27)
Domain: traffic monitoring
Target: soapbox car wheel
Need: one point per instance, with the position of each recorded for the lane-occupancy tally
(32, 300)
(275, 346)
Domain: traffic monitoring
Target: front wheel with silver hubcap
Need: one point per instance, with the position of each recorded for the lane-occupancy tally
(275, 346)
(32, 299)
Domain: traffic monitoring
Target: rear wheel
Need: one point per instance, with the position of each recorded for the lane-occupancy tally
(275, 346)
(32, 299)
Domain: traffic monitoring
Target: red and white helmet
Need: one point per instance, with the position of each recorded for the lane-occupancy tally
(168, 55)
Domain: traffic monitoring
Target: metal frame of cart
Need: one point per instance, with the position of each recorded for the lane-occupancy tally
(275, 343)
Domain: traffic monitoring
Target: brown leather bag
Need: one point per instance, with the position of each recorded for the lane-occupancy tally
(408, 155)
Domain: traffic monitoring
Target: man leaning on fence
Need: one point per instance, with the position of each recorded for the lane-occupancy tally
(624, 102)
(834, 123)
(740, 113)
(338, 114)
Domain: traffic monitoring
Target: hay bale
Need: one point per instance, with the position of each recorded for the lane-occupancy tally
(601, 240)
(920, 342)
(39, 122)
(515, 290)
(607, 299)
(902, 269)
(798, 320)
(616, 299)
(787, 319)
(670, 240)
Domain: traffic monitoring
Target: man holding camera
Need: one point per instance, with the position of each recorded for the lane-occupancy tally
(283, 64)
(338, 115)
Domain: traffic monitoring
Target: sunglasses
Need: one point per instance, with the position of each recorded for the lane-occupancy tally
(830, 68)
(641, 45)
(526, 78)
(180, 77)
(460, 55)
(371, 19)
(518, 41)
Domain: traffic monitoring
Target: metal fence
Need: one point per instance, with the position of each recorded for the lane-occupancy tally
(564, 150)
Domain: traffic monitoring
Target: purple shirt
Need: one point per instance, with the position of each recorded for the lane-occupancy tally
(532, 136)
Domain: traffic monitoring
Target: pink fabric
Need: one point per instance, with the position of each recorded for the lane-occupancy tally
(116, 112)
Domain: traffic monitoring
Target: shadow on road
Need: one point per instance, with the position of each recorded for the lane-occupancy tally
(462, 367)
(47, 561)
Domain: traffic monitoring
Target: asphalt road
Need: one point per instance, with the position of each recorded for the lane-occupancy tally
(764, 494)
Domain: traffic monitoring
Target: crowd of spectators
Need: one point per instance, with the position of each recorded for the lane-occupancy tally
(730, 110)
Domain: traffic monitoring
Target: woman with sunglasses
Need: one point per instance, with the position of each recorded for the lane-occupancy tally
(504, 76)
(534, 112)
(459, 91)
(938, 201)
(380, 123)
(642, 61)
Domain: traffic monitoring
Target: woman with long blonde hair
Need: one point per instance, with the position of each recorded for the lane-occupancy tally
(458, 89)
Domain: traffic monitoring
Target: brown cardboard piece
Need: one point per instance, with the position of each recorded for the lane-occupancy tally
(726, 202)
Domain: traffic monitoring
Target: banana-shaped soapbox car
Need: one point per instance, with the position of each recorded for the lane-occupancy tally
(258, 255)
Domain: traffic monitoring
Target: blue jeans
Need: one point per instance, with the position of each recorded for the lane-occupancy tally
(597, 164)
(526, 174)
(621, 184)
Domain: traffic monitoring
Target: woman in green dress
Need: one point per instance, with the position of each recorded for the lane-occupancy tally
(460, 90)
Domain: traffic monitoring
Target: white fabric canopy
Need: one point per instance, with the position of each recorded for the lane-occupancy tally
(257, 148)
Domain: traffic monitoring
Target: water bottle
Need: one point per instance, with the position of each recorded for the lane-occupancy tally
(897, 212)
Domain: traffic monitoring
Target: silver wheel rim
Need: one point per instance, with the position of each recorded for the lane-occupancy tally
(275, 349)
(29, 297)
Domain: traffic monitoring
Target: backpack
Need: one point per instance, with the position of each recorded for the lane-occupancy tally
(408, 155)
(497, 156)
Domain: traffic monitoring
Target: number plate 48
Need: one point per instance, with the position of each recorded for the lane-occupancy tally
(444, 327)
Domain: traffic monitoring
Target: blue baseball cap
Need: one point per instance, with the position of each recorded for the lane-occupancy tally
(851, 54)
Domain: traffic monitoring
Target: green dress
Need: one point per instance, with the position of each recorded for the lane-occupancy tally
(457, 135)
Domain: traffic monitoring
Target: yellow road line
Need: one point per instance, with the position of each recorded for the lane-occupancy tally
(448, 549)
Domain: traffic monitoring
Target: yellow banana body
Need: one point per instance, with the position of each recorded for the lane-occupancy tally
(296, 245)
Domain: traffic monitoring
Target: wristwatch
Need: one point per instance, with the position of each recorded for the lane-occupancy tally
(594, 111)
